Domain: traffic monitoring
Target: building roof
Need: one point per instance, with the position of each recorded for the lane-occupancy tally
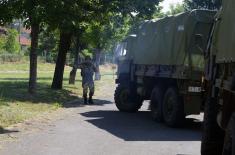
(25, 41)
(26, 30)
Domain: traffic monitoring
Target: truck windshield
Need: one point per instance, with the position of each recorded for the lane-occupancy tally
(199, 45)
(120, 50)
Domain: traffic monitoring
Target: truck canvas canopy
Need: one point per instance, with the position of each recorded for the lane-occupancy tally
(172, 40)
(223, 43)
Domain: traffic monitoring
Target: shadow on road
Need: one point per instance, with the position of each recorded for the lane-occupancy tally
(79, 103)
(140, 127)
(3, 131)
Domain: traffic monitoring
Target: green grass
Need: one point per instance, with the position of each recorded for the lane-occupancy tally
(20, 67)
(16, 104)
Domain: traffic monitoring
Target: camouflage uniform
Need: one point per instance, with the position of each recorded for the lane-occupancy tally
(87, 73)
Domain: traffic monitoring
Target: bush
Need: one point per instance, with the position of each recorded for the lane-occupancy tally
(2, 42)
(11, 44)
(10, 58)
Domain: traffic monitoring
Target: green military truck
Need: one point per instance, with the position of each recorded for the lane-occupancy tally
(164, 62)
(219, 118)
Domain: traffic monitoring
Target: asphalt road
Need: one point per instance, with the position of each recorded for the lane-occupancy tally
(101, 130)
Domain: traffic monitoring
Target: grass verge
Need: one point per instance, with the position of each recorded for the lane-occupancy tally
(16, 105)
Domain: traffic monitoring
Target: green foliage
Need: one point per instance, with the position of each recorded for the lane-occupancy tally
(121, 15)
(158, 13)
(136, 9)
(2, 43)
(104, 36)
(48, 44)
(202, 4)
(48, 40)
(96, 35)
(12, 45)
(7, 12)
(86, 52)
(175, 9)
(8, 57)
(71, 15)
(74, 15)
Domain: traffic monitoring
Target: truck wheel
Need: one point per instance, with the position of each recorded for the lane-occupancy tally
(173, 108)
(124, 101)
(156, 104)
(213, 136)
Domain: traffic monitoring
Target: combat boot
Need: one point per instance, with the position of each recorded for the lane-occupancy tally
(85, 99)
(90, 100)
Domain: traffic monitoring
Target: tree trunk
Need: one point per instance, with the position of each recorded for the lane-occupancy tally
(72, 75)
(64, 45)
(97, 64)
(33, 59)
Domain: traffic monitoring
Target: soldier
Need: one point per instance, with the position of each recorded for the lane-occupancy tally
(87, 73)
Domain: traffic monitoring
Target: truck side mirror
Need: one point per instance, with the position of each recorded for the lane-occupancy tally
(199, 41)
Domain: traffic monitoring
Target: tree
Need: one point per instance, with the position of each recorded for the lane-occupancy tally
(48, 44)
(7, 12)
(102, 35)
(202, 4)
(65, 16)
(2, 42)
(11, 44)
(70, 15)
(159, 13)
(175, 9)
(6, 16)
(32, 12)
(78, 47)
(64, 46)
(98, 34)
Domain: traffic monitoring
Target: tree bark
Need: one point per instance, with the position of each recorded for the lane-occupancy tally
(33, 59)
(64, 45)
(72, 75)
(97, 64)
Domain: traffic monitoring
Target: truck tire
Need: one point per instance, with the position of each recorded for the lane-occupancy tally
(173, 108)
(156, 104)
(126, 102)
(213, 136)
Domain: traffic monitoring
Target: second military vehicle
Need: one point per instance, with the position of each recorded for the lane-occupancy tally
(164, 62)
(219, 117)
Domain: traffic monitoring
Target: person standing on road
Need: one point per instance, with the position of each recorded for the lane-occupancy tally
(87, 72)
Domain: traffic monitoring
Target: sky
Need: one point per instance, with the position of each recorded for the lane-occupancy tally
(166, 4)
